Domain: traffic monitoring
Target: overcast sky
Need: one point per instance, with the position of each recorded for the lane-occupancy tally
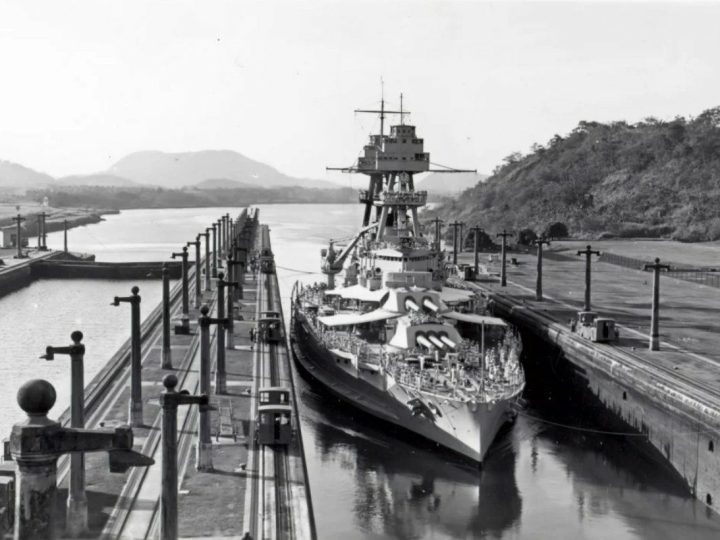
(86, 82)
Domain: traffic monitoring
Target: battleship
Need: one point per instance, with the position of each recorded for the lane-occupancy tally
(397, 340)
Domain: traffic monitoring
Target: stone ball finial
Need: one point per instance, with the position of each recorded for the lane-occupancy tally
(221, 275)
(170, 382)
(205, 310)
(36, 397)
(76, 336)
(135, 289)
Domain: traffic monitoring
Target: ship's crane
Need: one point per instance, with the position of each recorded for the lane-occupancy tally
(332, 262)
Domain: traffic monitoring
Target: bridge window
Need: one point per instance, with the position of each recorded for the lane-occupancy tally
(625, 395)
(708, 499)
(711, 446)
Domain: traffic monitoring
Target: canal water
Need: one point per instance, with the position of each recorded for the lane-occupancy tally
(554, 474)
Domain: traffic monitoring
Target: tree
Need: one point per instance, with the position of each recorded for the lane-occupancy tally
(526, 237)
(556, 230)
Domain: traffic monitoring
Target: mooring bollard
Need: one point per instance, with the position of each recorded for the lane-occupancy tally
(538, 283)
(503, 267)
(169, 401)
(38, 442)
(184, 327)
(655, 318)
(18, 236)
(77, 509)
(588, 252)
(230, 284)
(136, 405)
(223, 323)
(198, 292)
(166, 355)
(214, 251)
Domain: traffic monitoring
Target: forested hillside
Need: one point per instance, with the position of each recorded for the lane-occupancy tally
(651, 179)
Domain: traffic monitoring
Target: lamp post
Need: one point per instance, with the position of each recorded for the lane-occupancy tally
(136, 405)
(503, 268)
(77, 508)
(184, 327)
(588, 252)
(169, 401)
(538, 283)
(655, 319)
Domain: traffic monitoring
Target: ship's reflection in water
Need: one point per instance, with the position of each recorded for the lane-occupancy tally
(402, 490)
(539, 481)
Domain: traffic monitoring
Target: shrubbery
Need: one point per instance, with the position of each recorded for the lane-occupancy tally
(650, 179)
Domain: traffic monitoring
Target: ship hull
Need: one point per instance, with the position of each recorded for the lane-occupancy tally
(467, 432)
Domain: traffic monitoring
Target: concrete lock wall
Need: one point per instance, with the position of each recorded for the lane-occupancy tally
(684, 431)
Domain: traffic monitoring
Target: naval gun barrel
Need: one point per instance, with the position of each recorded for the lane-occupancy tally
(430, 305)
(447, 341)
(435, 341)
(410, 304)
(422, 340)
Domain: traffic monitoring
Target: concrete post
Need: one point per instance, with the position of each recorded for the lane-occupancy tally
(503, 268)
(208, 257)
(136, 405)
(65, 229)
(198, 292)
(18, 236)
(538, 283)
(655, 319)
(588, 262)
(214, 251)
(184, 327)
(169, 401)
(36, 444)
(77, 509)
(166, 361)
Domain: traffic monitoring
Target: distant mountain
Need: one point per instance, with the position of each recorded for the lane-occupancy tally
(449, 183)
(17, 176)
(221, 183)
(99, 179)
(176, 170)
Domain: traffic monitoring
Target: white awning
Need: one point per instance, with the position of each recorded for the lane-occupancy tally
(347, 319)
(358, 292)
(450, 295)
(475, 319)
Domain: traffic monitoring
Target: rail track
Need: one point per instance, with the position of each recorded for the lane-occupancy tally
(270, 508)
